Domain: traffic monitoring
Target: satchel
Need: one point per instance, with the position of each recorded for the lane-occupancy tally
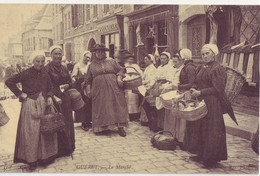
(52, 121)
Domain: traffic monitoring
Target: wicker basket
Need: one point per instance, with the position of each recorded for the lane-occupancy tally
(4, 119)
(168, 143)
(193, 115)
(235, 81)
(167, 104)
(133, 83)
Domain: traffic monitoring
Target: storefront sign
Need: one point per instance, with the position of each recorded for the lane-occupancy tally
(109, 28)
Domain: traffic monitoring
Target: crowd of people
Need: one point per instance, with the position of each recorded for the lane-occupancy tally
(107, 105)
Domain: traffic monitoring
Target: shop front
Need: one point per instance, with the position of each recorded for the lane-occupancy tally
(112, 33)
(152, 30)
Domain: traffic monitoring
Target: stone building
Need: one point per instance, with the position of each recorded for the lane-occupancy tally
(84, 25)
(37, 33)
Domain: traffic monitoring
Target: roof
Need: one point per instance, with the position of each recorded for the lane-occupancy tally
(44, 24)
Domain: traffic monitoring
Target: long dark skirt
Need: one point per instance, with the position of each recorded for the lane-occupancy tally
(191, 138)
(155, 117)
(212, 133)
(66, 138)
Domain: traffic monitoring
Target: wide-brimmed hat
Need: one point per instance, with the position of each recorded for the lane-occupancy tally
(124, 54)
(99, 47)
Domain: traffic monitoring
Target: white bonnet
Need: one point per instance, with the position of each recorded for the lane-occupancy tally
(212, 47)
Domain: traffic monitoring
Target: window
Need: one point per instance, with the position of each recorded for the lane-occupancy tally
(117, 6)
(69, 20)
(106, 8)
(65, 22)
(80, 14)
(95, 11)
(87, 12)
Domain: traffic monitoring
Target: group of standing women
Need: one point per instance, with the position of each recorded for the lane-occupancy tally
(205, 137)
(108, 105)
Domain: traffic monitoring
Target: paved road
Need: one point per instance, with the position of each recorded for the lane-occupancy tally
(133, 154)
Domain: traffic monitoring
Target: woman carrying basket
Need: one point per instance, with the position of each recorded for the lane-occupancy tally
(211, 81)
(31, 146)
(132, 98)
(182, 76)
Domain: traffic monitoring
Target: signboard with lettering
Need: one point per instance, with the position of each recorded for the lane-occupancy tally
(110, 28)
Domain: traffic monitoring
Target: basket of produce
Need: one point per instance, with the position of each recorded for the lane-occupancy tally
(190, 110)
(168, 97)
(132, 80)
(235, 81)
(163, 140)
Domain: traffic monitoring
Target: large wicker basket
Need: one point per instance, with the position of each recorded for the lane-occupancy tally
(133, 83)
(163, 140)
(168, 104)
(235, 81)
(192, 115)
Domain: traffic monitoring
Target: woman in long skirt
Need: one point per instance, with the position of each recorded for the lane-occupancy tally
(211, 81)
(31, 146)
(78, 74)
(61, 80)
(104, 82)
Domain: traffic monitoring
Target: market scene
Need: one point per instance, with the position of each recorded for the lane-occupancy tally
(129, 88)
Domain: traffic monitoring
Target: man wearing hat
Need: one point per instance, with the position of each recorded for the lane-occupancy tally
(104, 84)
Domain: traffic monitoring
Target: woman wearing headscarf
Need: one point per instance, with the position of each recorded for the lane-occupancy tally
(210, 82)
(175, 125)
(187, 138)
(78, 74)
(165, 67)
(149, 80)
(61, 82)
(132, 98)
(31, 146)
(104, 85)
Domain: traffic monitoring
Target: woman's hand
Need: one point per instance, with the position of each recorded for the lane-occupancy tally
(57, 99)
(87, 91)
(23, 96)
(49, 101)
(120, 81)
(195, 93)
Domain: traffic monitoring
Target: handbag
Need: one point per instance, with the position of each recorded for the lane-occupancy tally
(52, 121)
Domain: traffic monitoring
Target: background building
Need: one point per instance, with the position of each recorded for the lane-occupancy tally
(37, 32)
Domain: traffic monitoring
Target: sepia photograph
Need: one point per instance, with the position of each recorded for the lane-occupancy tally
(129, 88)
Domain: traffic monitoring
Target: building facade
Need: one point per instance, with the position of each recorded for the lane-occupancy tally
(15, 54)
(84, 25)
(153, 29)
(37, 33)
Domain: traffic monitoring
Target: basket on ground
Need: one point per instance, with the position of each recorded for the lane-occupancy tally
(163, 140)
(135, 82)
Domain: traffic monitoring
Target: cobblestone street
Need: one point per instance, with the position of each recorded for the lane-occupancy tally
(133, 154)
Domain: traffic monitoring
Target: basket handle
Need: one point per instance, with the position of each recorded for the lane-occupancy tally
(52, 106)
(133, 68)
(161, 132)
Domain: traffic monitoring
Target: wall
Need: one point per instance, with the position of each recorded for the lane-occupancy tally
(186, 13)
